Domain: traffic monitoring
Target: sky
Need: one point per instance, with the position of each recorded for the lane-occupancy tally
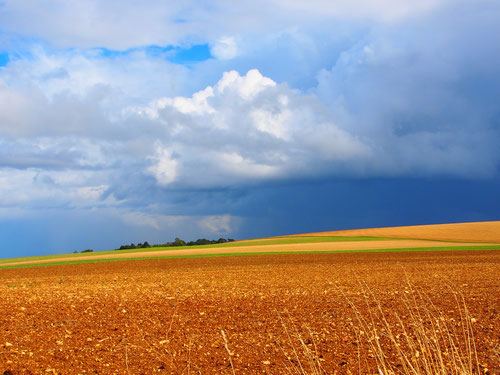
(131, 121)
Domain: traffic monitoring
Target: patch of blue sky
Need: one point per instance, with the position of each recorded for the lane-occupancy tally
(4, 58)
(193, 54)
(175, 54)
(16, 47)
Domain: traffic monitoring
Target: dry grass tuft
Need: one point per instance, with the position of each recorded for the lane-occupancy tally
(303, 358)
(226, 345)
(418, 340)
(421, 340)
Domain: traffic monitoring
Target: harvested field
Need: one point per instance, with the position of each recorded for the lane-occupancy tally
(166, 315)
(463, 236)
(255, 249)
(486, 231)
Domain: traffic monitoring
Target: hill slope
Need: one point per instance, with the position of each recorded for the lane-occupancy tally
(463, 236)
(484, 231)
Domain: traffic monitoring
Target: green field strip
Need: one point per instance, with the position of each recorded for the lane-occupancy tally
(412, 249)
(273, 241)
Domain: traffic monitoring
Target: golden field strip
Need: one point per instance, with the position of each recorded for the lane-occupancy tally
(485, 231)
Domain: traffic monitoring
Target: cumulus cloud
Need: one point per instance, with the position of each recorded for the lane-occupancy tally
(245, 129)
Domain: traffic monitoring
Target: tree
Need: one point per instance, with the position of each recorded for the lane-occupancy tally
(202, 241)
(178, 242)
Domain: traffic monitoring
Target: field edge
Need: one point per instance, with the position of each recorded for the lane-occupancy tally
(390, 250)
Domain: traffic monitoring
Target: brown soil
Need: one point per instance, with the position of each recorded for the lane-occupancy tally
(319, 246)
(166, 315)
(486, 231)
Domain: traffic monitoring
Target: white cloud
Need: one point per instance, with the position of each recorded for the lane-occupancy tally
(127, 23)
(225, 48)
(272, 123)
(243, 129)
(235, 165)
(35, 188)
(117, 24)
(247, 86)
(246, 128)
(165, 167)
(219, 224)
(196, 105)
(134, 76)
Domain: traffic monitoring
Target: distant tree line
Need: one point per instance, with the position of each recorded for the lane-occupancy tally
(84, 251)
(134, 246)
(176, 242)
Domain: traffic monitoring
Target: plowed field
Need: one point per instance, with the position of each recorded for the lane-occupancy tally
(166, 315)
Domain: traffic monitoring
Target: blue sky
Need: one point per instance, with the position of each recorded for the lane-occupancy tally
(125, 121)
